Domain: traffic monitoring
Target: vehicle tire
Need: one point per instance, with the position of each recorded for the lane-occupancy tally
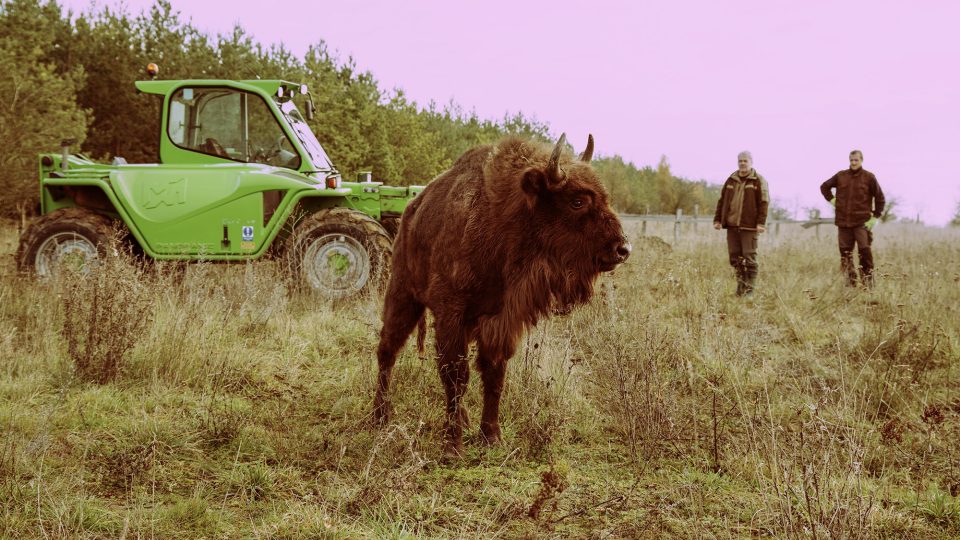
(391, 225)
(339, 253)
(74, 238)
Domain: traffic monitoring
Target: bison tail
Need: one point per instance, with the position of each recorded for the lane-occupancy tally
(421, 333)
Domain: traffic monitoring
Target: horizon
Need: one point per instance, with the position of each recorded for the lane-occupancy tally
(798, 86)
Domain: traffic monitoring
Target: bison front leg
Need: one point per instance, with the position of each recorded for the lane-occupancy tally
(400, 315)
(454, 374)
(493, 367)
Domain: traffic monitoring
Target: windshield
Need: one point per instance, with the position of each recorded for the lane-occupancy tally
(319, 159)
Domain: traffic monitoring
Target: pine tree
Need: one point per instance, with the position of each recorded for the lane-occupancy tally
(40, 107)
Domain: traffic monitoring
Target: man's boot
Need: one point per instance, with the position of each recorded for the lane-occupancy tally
(847, 267)
(741, 279)
(866, 267)
(750, 281)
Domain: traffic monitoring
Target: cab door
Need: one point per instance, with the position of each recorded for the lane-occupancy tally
(205, 199)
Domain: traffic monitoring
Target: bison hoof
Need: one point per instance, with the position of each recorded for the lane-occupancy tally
(453, 450)
(382, 411)
(490, 434)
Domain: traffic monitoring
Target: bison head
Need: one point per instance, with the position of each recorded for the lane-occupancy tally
(572, 214)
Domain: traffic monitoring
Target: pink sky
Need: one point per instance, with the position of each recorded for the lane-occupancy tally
(799, 84)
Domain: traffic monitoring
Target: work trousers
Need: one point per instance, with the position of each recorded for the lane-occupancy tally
(742, 248)
(861, 238)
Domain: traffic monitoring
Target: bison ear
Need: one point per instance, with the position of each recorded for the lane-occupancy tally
(587, 154)
(533, 183)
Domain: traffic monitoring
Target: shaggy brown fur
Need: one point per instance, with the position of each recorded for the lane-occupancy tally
(509, 234)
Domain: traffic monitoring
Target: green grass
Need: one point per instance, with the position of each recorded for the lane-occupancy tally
(231, 407)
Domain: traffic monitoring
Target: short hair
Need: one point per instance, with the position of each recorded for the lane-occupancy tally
(745, 154)
(857, 152)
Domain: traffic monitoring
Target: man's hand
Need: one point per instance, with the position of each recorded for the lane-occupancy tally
(761, 228)
(833, 202)
(716, 225)
(870, 223)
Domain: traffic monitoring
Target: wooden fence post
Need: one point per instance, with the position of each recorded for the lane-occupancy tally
(696, 216)
(676, 227)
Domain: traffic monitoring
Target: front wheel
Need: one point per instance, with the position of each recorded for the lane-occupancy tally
(391, 224)
(72, 239)
(338, 253)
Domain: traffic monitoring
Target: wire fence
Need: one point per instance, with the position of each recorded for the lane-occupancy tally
(683, 222)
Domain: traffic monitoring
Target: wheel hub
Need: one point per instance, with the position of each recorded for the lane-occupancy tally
(65, 250)
(337, 265)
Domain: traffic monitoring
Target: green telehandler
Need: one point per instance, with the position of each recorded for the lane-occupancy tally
(240, 175)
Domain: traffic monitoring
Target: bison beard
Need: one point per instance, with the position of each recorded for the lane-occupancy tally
(511, 233)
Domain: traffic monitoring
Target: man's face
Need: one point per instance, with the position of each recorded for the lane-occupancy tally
(745, 164)
(855, 161)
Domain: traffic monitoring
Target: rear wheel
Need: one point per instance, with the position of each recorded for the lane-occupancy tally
(69, 239)
(338, 253)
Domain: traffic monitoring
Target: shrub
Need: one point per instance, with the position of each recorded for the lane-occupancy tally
(106, 311)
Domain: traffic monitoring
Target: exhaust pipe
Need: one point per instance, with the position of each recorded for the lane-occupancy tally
(65, 153)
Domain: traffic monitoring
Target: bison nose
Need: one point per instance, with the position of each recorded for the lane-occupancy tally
(623, 251)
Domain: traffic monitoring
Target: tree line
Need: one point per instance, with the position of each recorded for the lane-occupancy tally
(66, 75)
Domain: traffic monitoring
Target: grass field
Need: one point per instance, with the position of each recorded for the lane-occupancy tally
(215, 403)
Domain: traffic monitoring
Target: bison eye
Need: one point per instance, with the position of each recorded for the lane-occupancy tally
(577, 203)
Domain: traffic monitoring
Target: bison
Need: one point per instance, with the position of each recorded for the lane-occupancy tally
(511, 233)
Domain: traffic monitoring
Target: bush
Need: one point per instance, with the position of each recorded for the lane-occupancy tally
(106, 311)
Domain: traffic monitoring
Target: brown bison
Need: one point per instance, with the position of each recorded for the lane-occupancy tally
(509, 234)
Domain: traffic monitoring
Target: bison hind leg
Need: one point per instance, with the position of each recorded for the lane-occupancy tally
(401, 313)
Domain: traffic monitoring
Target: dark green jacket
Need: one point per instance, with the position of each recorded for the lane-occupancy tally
(858, 196)
(753, 205)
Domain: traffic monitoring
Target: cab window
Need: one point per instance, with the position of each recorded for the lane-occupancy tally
(229, 124)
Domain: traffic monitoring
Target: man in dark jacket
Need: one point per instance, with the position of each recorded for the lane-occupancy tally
(859, 202)
(742, 211)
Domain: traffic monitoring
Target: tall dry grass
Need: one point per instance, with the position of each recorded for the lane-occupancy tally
(213, 401)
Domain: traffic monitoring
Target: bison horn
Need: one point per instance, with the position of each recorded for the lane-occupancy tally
(587, 154)
(554, 173)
